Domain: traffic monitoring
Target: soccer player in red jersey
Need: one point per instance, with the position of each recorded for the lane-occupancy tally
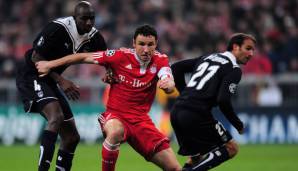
(139, 70)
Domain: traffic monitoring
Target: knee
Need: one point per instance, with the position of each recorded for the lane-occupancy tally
(172, 166)
(115, 135)
(77, 139)
(73, 139)
(114, 131)
(232, 148)
(166, 160)
(56, 120)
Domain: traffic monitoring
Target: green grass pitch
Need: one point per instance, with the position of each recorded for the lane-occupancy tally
(87, 158)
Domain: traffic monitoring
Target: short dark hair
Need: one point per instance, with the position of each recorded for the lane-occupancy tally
(145, 30)
(238, 38)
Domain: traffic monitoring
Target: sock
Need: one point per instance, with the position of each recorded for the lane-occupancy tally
(213, 158)
(110, 154)
(64, 160)
(187, 167)
(47, 148)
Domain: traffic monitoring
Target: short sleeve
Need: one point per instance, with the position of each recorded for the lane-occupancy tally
(108, 57)
(48, 38)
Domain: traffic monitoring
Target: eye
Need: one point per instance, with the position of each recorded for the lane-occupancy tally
(150, 44)
(249, 48)
(88, 18)
(141, 43)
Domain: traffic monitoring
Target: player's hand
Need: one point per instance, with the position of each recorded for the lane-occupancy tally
(43, 68)
(109, 77)
(70, 89)
(167, 84)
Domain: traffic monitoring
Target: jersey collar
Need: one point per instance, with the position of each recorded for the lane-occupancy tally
(231, 57)
(143, 65)
(140, 61)
(70, 26)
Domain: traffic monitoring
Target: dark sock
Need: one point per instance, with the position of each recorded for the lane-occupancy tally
(47, 148)
(213, 159)
(186, 167)
(64, 160)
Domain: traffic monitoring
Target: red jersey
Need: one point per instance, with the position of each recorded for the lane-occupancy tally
(132, 97)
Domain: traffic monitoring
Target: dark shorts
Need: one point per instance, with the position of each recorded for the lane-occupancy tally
(36, 93)
(196, 133)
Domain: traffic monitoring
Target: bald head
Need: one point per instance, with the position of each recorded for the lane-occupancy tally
(84, 16)
(83, 6)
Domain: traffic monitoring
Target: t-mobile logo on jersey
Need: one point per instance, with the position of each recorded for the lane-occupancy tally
(134, 82)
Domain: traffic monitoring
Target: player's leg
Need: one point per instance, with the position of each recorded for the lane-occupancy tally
(180, 123)
(148, 141)
(232, 148)
(166, 160)
(187, 164)
(69, 141)
(38, 96)
(114, 135)
(53, 113)
(217, 156)
(69, 136)
(190, 160)
(222, 153)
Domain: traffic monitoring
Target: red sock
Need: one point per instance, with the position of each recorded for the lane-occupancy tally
(109, 156)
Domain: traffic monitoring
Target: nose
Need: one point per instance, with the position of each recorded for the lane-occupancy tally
(146, 48)
(89, 22)
(251, 53)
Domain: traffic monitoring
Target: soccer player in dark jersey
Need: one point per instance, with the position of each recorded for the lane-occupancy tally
(213, 81)
(139, 71)
(60, 37)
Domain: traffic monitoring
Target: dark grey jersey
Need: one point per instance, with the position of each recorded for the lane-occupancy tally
(60, 38)
(214, 79)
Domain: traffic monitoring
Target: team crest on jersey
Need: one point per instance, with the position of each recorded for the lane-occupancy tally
(40, 94)
(40, 41)
(153, 69)
(232, 88)
(110, 52)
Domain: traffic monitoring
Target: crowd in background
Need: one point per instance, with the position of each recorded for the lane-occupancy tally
(186, 29)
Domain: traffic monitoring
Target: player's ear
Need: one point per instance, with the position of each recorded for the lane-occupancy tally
(236, 47)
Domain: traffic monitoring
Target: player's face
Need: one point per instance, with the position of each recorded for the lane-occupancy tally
(85, 20)
(145, 47)
(244, 52)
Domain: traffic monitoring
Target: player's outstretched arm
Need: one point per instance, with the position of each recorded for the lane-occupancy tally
(44, 67)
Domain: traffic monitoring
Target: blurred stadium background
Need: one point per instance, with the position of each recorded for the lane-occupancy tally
(267, 97)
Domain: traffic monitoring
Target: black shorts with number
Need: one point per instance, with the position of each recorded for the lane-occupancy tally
(36, 92)
(197, 132)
